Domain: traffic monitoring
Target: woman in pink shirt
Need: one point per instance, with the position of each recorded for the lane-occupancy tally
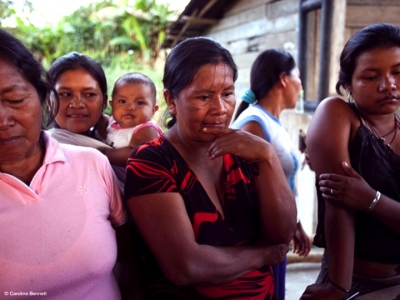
(58, 203)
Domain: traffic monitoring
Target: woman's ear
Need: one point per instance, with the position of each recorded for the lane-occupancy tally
(169, 98)
(283, 79)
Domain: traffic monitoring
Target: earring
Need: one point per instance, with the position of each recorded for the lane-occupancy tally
(350, 97)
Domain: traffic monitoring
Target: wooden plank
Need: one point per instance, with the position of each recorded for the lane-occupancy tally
(262, 10)
(357, 16)
(240, 18)
(245, 60)
(373, 2)
(255, 28)
(282, 8)
(243, 5)
(195, 20)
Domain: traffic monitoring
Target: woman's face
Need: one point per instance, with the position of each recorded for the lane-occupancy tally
(208, 101)
(81, 101)
(20, 116)
(293, 88)
(376, 80)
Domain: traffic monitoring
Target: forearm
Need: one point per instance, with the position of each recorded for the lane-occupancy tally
(215, 265)
(118, 156)
(340, 236)
(387, 211)
(277, 203)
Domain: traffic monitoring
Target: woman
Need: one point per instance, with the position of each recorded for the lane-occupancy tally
(362, 237)
(58, 203)
(275, 86)
(213, 214)
(81, 85)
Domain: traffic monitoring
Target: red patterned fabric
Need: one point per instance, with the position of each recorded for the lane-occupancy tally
(157, 167)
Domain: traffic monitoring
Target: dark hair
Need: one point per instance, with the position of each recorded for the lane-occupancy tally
(368, 38)
(15, 52)
(187, 58)
(73, 61)
(265, 73)
(135, 78)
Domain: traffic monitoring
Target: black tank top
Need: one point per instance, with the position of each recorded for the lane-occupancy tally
(380, 167)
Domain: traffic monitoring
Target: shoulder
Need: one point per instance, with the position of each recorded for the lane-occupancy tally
(333, 105)
(151, 125)
(156, 150)
(85, 156)
(249, 112)
(334, 111)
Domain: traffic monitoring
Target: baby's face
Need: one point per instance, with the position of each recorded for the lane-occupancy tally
(133, 104)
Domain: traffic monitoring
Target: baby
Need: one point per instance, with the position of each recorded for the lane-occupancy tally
(133, 105)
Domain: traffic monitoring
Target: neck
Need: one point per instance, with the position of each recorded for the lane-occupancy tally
(25, 168)
(189, 150)
(386, 130)
(273, 103)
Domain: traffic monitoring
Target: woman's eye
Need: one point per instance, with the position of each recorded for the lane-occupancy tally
(227, 95)
(14, 102)
(90, 95)
(64, 94)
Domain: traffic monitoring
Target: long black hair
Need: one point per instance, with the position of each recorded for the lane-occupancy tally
(265, 73)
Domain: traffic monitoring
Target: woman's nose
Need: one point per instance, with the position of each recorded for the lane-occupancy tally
(77, 102)
(5, 119)
(220, 105)
(388, 84)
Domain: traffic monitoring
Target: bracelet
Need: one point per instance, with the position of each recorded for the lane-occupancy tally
(375, 201)
(339, 287)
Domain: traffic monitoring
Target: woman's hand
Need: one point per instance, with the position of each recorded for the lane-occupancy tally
(350, 191)
(301, 241)
(238, 142)
(276, 200)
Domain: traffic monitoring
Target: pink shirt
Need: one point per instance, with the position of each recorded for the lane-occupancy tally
(56, 235)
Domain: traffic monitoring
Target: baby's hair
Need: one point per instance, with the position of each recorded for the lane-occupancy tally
(135, 78)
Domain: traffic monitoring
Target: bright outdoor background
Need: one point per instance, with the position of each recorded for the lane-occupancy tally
(123, 35)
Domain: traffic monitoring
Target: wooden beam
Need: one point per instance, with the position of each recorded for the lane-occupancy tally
(195, 20)
(187, 24)
(207, 7)
(183, 29)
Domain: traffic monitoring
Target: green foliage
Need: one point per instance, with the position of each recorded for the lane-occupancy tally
(103, 30)
(6, 9)
(123, 35)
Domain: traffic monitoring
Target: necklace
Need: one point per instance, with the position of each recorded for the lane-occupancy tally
(382, 137)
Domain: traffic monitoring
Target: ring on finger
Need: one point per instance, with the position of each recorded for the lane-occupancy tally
(332, 191)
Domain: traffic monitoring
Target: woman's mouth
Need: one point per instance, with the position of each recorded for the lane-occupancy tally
(9, 140)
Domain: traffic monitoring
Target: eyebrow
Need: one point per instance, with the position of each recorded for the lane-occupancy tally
(13, 87)
(376, 69)
(69, 87)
